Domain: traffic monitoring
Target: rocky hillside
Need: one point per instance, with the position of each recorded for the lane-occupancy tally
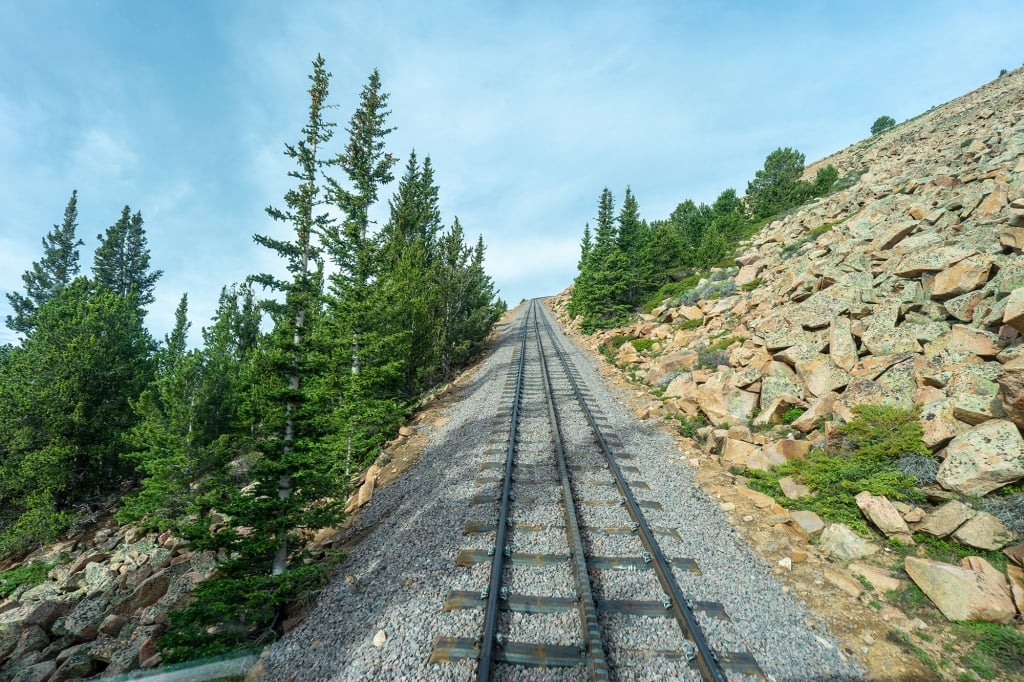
(904, 288)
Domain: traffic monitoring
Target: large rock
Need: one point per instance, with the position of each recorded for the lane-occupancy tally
(809, 522)
(723, 403)
(879, 510)
(735, 453)
(841, 346)
(939, 423)
(967, 275)
(669, 363)
(820, 375)
(946, 519)
(1011, 390)
(1015, 574)
(983, 459)
(1013, 314)
(984, 531)
(777, 379)
(819, 410)
(971, 591)
(840, 541)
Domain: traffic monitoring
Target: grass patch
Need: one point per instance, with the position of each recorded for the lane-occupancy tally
(789, 249)
(722, 344)
(998, 649)
(31, 575)
(951, 552)
(640, 344)
(752, 284)
(688, 425)
(691, 324)
(911, 600)
(873, 440)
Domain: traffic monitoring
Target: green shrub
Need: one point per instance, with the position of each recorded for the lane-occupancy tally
(688, 425)
(752, 284)
(722, 344)
(643, 345)
(875, 438)
(792, 414)
(228, 614)
(31, 574)
(691, 324)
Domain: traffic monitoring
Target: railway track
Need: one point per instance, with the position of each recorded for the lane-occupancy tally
(578, 586)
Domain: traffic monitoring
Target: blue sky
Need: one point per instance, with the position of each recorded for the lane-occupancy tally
(528, 109)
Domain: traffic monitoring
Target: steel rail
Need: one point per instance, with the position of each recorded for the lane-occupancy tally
(490, 629)
(706, 660)
(597, 665)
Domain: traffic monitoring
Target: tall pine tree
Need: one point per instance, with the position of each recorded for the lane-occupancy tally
(121, 262)
(58, 267)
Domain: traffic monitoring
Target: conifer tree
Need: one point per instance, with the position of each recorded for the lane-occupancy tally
(121, 262)
(57, 268)
(368, 167)
(289, 475)
(64, 408)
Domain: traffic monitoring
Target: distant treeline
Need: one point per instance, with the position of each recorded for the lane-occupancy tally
(245, 443)
(626, 262)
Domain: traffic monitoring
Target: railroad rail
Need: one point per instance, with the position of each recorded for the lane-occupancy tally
(543, 466)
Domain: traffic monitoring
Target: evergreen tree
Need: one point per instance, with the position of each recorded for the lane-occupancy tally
(631, 240)
(776, 187)
(290, 473)
(121, 263)
(58, 267)
(368, 167)
(64, 409)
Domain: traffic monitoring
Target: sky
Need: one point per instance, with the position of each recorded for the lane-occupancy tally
(181, 110)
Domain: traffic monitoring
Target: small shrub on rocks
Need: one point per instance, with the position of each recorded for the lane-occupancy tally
(712, 358)
(792, 414)
(873, 441)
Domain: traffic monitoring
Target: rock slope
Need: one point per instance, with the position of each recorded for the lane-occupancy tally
(904, 288)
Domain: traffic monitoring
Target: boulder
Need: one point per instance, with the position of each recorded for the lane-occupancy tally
(1013, 314)
(723, 403)
(983, 458)
(1011, 390)
(984, 531)
(963, 277)
(946, 519)
(735, 453)
(840, 541)
(1015, 574)
(820, 375)
(939, 423)
(809, 522)
(777, 379)
(782, 451)
(842, 347)
(773, 412)
(879, 510)
(971, 591)
(792, 489)
(819, 410)
(881, 580)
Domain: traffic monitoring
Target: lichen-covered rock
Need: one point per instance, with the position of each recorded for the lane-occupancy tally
(971, 591)
(1011, 390)
(840, 541)
(983, 459)
(984, 531)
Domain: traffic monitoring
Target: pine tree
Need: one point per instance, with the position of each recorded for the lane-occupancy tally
(64, 408)
(368, 167)
(631, 240)
(289, 476)
(121, 262)
(58, 267)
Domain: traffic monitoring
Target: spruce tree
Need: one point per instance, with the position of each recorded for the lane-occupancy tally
(289, 475)
(58, 267)
(65, 409)
(121, 262)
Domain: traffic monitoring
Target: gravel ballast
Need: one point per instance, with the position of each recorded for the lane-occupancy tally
(395, 580)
